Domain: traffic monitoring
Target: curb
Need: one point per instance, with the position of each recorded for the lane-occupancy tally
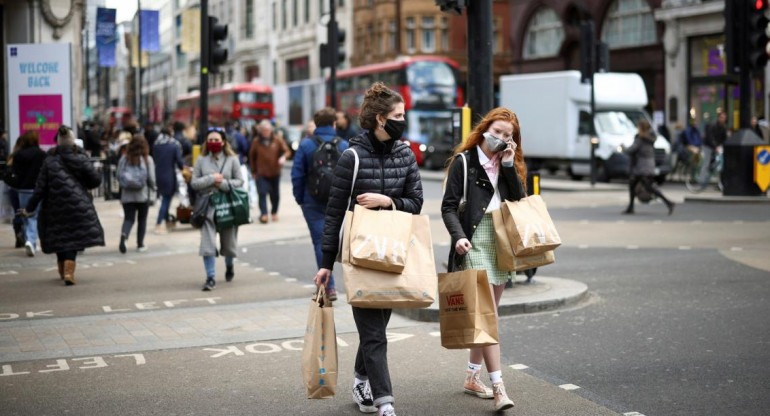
(721, 199)
(551, 293)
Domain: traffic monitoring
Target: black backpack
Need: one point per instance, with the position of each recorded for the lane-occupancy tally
(321, 170)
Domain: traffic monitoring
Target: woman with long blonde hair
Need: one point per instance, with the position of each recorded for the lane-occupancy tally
(493, 163)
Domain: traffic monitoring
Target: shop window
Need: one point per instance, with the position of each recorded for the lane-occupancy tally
(629, 23)
(544, 35)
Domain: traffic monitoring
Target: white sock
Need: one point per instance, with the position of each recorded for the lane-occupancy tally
(358, 381)
(385, 407)
(473, 367)
(496, 376)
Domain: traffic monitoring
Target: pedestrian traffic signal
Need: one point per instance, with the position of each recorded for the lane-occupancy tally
(323, 54)
(757, 39)
(217, 49)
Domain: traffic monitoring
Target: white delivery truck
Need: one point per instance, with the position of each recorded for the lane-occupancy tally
(554, 111)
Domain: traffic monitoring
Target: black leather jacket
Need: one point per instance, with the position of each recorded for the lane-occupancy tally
(387, 168)
(480, 191)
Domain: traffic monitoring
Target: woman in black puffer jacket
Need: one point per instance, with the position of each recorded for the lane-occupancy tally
(387, 176)
(67, 222)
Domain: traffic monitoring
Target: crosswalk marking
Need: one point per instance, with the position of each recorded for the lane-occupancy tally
(519, 367)
(569, 387)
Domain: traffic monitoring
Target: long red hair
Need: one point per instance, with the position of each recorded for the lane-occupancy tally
(476, 136)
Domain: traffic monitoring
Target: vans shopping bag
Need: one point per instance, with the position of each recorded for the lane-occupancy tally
(379, 239)
(529, 226)
(466, 310)
(506, 259)
(319, 354)
(415, 287)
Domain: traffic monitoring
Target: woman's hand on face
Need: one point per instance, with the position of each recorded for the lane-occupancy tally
(218, 178)
(509, 152)
(322, 277)
(463, 246)
(372, 200)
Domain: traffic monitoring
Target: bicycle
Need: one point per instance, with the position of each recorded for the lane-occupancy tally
(687, 167)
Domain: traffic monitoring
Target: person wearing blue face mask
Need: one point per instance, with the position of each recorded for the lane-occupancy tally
(387, 178)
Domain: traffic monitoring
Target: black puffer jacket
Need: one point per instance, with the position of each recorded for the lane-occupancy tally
(67, 220)
(480, 191)
(385, 168)
(26, 165)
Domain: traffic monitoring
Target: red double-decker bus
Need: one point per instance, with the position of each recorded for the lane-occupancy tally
(430, 89)
(246, 103)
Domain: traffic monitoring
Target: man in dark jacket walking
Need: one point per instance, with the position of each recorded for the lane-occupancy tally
(167, 154)
(716, 136)
(314, 210)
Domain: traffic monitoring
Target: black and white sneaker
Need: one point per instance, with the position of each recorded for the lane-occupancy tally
(209, 285)
(362, 395)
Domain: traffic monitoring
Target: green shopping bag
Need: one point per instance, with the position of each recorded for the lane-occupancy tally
(231, 209)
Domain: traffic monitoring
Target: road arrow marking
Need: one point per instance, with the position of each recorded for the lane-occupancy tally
(395, 337)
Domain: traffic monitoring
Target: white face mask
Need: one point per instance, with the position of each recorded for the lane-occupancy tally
(494, 144)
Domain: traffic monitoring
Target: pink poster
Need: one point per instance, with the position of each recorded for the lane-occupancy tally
(41, 113)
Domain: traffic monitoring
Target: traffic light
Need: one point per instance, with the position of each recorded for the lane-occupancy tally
(756, 36)
(340, 45)
(323, 53)
(452, 6)
(587, 51)
(217, 49)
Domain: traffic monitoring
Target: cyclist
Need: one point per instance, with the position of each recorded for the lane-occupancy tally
(716, 135)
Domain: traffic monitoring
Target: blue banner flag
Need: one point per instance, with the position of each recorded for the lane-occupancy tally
(150, 34)
(106, 38)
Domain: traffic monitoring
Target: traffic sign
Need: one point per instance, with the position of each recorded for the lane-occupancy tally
(762, 167)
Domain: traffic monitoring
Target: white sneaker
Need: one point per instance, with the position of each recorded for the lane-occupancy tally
(141, 249)
(30, 249)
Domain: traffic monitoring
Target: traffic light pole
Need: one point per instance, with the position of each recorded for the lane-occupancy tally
(333, 58)
(204, 87)
(480, 83)
(139, 50)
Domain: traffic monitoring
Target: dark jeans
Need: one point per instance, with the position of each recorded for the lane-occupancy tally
(314, 214)
(267, 186)
(646, 181)
(139, 210)
(66, 255)
(372, 356)
(165, 203)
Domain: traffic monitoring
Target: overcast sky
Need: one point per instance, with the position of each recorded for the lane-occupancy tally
(125, 9)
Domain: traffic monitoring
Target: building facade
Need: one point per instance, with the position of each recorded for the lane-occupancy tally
(697, 82)
(546, 37)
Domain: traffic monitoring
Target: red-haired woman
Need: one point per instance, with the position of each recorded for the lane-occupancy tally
(495, 171)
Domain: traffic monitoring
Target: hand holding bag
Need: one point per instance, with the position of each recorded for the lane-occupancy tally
(319, 354)
(467, 312)
(529, 226)
(506, 259)
(231, 209)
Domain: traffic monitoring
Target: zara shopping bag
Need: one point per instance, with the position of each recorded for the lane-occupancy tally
(506, 259)
(319, 355)
(466, 310)
(379, 239)
(529, 226)
(415, 287)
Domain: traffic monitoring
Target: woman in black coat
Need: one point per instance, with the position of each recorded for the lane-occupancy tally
(642, 166)
(388, 176)
(67, 222)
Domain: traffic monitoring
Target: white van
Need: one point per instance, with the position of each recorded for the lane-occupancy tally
(554, 111)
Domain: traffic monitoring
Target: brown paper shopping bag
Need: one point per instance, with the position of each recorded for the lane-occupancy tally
(415, 287)
(379, 239)
(529, 226)
(466, 310)
(506, 259)
(319, 354)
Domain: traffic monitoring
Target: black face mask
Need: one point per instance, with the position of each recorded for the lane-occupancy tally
(395, 128)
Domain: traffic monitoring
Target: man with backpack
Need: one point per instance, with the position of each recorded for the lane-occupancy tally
(312, 175)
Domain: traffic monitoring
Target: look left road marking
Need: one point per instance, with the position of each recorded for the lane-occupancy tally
(84, 363)
(161, 304)
(11, 316)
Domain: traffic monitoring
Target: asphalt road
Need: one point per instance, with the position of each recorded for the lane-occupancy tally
(675, 325)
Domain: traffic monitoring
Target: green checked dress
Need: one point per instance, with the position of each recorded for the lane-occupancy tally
(483, 255)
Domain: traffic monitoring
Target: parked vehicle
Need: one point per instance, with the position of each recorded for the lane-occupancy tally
(554, 110)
